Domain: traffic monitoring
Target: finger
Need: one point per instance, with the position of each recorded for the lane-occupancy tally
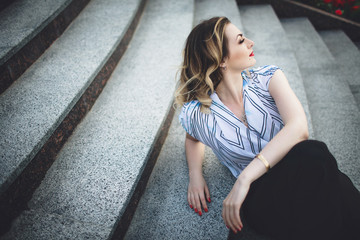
(230, 213)
(203, 202)
(237, 215)
(197, 203)
(241, 224)
(227, 215)
(230, 219)
(193, 201)
(234, 217)
(239, 219)
(234, 214)
(207, 193)
(223, 215)
(189, 199)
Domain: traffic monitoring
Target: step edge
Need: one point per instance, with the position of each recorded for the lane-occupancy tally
(8, 191)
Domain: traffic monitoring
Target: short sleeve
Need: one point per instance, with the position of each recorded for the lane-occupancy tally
(265, 73)
(186, 116)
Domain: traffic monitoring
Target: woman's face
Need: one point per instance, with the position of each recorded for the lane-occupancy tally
(239, 49)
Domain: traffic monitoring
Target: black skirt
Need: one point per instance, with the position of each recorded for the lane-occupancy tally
(304, 196)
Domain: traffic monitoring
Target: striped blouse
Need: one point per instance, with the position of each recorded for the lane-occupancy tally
(234, 144)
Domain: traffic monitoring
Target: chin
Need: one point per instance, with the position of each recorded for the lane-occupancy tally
(253, 63)
(248, 65)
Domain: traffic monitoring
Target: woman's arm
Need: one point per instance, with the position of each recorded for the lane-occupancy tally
(295, 127)
(295, 130)
(197, 186)
(194, 154)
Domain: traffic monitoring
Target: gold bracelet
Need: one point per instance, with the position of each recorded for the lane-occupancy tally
(261, 157)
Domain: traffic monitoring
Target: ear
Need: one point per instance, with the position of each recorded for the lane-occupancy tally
(223, 63)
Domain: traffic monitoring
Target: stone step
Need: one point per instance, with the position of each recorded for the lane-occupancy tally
(34, 106)
(333, 108)
(163, 209)
(90, 185)
(347, 57)
(27, 29)
(358, 45)
(39, 111)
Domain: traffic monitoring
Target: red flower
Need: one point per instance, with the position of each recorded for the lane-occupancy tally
(327, 1)
(356, 7)
(338, 12)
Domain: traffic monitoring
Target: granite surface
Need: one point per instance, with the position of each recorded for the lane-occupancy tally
(44, 226)
(335, 114)
(88, 187)
(22, 20)
(34, 106)
(98, 168)
(164, 209)
(347, 56)
(30, 28)
(14, 200)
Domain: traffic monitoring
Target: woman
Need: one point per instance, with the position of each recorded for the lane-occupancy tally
(288, 186)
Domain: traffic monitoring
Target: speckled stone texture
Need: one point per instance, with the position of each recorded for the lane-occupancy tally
(347, 57)
(13, 201)
(163, 212)
(27, 29)
(98, 168)
(321, 19)
(22, 20)
(34, 106)
(44, 226)
(335, 115)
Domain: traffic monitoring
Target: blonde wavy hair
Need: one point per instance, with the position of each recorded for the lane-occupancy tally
(205, 48)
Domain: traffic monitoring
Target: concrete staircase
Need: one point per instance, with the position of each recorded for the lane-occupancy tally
(85, 151)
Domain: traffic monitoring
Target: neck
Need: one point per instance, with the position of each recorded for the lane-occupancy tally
(230, 87)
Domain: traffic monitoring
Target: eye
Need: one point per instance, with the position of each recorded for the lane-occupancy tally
(242, 41)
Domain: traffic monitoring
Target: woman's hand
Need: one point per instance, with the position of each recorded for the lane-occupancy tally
(232, 204)
(196, 196)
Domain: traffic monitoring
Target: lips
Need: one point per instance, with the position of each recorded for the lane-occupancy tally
(252, 54)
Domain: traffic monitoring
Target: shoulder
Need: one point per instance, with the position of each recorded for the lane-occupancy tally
(263, 74)
(190, 107)
(265, 69)
(186, 115)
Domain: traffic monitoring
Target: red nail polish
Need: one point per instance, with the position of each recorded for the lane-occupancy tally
(191, 206)
(196, 210)
(206, 210)
(235, 231)
(227, 226)
(239, 229)
(200, 213)
(209, 199)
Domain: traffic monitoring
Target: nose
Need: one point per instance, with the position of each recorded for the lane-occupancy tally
(250, 43)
